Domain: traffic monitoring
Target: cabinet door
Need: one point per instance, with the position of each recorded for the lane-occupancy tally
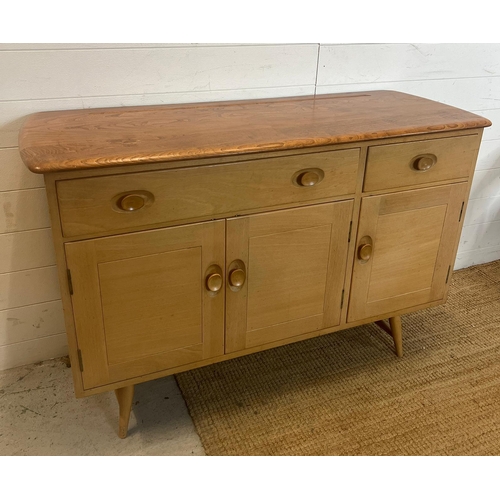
(293, 262)
(405, 249)
(141, 302)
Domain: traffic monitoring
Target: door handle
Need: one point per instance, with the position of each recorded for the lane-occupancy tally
(213, 279)
(236, 275)
(365, 249)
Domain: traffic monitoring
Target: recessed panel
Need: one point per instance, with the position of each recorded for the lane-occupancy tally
(151, 304)
(287, 276)
(405, 252)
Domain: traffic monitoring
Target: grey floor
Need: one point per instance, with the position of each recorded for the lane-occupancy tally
(39, 415)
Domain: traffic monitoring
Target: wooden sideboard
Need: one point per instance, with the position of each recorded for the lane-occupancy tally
(190, 234)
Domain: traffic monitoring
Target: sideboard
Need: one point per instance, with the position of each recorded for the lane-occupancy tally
(190, 234)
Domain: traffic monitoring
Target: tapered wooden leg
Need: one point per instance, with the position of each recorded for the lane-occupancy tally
(395, 331)
(125, 395)
(397, 334)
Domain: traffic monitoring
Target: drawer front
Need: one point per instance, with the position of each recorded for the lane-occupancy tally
(409, 164)
(108, 203)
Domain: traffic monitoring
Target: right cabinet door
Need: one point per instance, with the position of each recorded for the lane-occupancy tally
(405, 247)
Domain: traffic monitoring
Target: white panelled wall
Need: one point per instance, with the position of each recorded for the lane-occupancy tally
(47, 77)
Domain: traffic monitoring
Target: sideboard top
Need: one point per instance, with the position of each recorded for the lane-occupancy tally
(92, 138)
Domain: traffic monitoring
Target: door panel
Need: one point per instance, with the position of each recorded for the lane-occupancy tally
(295, 267)
(413, 237)
(304, 287)
(141, 304)
(392, 261)
(168, 286)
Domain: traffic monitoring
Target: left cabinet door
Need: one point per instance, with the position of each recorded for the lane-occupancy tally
(148, 301)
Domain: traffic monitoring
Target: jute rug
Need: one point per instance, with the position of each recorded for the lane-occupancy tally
(348, 394)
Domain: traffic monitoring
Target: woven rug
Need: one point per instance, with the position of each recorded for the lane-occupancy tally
(347, 393)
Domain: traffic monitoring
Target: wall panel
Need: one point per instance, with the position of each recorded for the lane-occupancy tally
(31, 322)
(489, 155)
(23, 210)
(32, 351)
(32, 286)
(472, 94)
(13, 174)
(44, 74)
(26, 250)
(369, 63)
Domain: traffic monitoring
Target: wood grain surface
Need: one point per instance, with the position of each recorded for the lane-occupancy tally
(81, 139)
(414, 237)
(392, 165)
(296, 261)
(202, 192)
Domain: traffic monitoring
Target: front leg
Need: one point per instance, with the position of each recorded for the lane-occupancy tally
(124, 395)
(395, 331)
(397, 334)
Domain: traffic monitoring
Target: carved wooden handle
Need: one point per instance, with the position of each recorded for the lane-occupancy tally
(308, 178)
(424, 162)
(214, 282)
(132, 202)
(237, 278)
(236, 275)
(365, 251)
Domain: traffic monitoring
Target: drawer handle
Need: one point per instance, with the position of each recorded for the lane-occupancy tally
(424, 162)
(131, 202)
(308, 178)
(237, 278)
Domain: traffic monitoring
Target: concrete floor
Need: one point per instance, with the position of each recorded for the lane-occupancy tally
(39, 415)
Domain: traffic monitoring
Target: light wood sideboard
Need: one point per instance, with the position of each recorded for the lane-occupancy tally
(190, 234)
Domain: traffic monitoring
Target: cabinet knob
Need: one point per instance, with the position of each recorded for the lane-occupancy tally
(308, 178)
(365, 252)
(424, 162)
(131, 202)
(237, 278)
(214, 282)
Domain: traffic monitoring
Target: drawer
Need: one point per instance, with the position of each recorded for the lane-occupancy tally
(107, 203)
(409, 164)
